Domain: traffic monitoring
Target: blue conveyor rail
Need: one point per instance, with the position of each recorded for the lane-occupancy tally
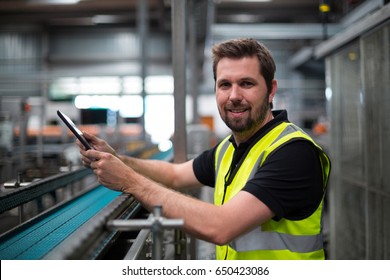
(33, 240)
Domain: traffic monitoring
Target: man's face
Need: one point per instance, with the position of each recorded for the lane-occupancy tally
(242, 98)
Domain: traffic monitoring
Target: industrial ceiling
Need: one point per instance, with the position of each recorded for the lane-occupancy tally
(88, 12)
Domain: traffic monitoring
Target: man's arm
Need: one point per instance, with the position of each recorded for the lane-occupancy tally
(168, 174)
(216, 224)
(177, 176)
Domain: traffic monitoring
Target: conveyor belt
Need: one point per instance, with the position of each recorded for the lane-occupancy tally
(35, 241)
(44, 235)
(37, 189)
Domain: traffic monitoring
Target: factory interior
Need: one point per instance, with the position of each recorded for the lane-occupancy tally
(139, 74)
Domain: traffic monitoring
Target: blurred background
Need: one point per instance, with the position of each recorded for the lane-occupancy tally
(138, 74)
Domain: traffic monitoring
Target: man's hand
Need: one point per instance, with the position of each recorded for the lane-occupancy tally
(97, 144)
(109, 169)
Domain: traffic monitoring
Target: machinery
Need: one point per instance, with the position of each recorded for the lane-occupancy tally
(86, 220)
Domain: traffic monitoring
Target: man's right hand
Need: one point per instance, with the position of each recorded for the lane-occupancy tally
(97, 144)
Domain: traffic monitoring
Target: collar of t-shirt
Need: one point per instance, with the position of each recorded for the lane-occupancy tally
(243, 148)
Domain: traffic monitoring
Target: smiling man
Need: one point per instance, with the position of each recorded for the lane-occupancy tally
(269, 177)
(242, 96)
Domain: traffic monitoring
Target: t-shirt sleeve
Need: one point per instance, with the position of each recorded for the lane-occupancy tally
(290, 181)
(203, 166)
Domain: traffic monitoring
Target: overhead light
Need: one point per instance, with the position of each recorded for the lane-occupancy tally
(245, 18)
(104, 19)
(243, 0)
(55, 1)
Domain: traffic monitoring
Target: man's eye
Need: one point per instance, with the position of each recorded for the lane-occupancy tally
(246, 84)
(224, 85)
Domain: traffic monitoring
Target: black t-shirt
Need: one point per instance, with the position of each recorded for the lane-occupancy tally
(290, 180)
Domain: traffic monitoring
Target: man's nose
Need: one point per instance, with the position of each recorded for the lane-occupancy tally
(235, 93)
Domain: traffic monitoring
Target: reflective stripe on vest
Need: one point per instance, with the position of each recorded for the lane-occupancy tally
(276, 241)
(293, 239)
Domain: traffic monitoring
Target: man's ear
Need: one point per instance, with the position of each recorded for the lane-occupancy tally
(273, 91)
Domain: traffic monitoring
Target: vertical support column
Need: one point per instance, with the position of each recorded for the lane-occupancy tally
(142, 23)
(23, 126)
(44, 84)
(193, 63)
(193, 85)
(179, 75)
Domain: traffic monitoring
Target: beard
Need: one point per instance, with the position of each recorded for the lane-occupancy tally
(245, 125)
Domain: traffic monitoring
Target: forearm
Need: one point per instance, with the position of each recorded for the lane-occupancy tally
(200, 218)
(158, 171)
(171, 175)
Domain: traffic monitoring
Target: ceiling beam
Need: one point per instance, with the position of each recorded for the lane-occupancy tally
(274, 31)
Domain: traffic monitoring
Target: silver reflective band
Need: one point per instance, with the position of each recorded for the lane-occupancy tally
(258, 240)
(222, 152)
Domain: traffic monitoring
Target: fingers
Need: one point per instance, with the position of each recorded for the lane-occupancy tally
(92, 155)
(78, 143)
(95, 166)
(88, 157)
(91, 138)
(92, 165)
(86, 162)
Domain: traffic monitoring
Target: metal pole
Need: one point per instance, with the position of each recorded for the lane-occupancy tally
(157, 223)
(158, 234)
(193, 62)
(142, 22)
(179, 75)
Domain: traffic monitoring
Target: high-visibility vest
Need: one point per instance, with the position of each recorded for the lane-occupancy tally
(284, 239)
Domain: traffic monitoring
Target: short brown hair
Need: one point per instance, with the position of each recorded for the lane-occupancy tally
(246, 47)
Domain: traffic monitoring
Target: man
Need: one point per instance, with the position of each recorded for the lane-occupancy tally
(269, 176)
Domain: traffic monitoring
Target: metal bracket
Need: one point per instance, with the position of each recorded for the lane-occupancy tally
(156, 223)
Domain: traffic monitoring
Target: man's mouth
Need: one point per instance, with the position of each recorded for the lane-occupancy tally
(237, 112)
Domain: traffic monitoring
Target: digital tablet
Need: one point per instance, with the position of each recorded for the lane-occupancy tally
(77, 132)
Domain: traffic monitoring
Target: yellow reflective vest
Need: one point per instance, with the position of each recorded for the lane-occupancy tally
(284, 239)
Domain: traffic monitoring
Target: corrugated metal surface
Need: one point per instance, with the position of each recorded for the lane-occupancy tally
(358, 76)
(20, 55)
